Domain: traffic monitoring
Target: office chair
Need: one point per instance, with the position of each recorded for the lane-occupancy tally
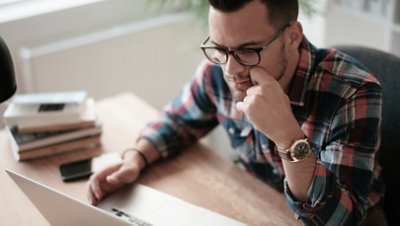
(386, 69)
(7, 78)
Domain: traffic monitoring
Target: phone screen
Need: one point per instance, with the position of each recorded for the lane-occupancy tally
(76, 170)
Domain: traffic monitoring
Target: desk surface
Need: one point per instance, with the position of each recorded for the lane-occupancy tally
(198, 175)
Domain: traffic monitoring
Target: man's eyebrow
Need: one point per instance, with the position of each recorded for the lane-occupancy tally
(243, 45)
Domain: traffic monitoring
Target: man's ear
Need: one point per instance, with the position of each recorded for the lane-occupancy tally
(294, 36)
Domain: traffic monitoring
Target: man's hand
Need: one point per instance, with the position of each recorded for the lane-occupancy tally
(111, 178)
(268, 108)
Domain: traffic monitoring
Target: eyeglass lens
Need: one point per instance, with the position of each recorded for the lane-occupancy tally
(220, 56)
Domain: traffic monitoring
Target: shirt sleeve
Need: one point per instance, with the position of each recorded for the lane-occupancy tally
(188, 117)
(338, 194)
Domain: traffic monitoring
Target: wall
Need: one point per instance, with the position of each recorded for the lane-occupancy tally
(105, 47)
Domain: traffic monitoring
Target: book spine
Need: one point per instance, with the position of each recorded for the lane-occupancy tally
(13, 144)
(61, 138)
(85, 143)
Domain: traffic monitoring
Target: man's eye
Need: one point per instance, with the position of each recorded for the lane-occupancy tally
(220, 50)
(246, 51)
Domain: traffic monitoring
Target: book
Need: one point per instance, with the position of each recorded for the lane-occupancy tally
(24, 142)
(81, 144)
(88, 119)
(48, 108)
(68, 97)
(26, 129)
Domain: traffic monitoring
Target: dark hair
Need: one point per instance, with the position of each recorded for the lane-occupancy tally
(280, 11)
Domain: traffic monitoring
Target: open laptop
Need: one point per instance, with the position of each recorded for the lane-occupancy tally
(132, 205)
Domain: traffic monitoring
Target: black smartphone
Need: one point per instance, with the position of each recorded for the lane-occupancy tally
(76, 170)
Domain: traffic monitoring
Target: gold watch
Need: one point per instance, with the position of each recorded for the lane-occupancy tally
(298, 151)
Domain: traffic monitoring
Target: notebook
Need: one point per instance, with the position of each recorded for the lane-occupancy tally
(133, 205)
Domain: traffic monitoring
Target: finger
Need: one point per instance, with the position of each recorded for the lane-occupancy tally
(260, 76)
(116, 177)
(96, 188)
(96, 179)
(109, 170)
(90, 196)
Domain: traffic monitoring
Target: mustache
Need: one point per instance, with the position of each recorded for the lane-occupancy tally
(237, 78)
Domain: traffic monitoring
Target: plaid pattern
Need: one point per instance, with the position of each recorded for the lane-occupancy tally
(336, 102)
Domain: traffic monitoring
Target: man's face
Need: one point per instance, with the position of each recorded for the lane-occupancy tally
(246, 28)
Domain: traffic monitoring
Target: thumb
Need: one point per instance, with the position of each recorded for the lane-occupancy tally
(259, 75)
(116, 176)
(119, 176)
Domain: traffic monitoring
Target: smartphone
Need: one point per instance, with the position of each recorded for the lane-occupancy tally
(76, 170)
(84, 168)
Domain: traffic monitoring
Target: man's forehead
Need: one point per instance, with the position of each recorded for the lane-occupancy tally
(235, 29)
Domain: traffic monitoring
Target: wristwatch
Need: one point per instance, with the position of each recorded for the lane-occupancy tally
(298, 151)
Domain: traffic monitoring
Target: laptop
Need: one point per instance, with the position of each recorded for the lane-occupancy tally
(133, 205)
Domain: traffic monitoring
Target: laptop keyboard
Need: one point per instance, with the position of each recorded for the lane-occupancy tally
(135, 220)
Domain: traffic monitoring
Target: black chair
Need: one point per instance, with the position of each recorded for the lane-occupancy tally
(386, 69)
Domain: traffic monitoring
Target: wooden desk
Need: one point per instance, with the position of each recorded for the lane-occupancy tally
(197, 176)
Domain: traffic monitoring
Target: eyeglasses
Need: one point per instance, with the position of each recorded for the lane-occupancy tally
(245, 56)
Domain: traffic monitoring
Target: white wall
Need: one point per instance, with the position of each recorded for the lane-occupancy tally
(105, 47)
(314, 27)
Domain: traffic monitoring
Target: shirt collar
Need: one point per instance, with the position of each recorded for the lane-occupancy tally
(298, 85)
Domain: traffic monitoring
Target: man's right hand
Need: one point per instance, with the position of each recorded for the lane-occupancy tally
(112, 178)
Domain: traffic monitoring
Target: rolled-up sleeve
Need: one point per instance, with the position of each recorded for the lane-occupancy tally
(191, 115)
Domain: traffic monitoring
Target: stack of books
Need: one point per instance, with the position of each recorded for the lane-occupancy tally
(45, 124)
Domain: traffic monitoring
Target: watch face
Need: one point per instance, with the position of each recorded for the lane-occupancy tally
(301, 151)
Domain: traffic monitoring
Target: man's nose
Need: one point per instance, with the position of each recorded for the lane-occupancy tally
(233, 67)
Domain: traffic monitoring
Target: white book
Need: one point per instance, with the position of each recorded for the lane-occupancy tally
(21, 113)
(69, 97)
(87, 119)
(23, 142)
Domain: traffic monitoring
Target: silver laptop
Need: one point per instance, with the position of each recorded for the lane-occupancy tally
(132, 205)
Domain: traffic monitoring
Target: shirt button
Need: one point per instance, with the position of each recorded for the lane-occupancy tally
(231, 130)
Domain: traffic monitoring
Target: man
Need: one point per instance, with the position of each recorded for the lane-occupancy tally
(302, 119)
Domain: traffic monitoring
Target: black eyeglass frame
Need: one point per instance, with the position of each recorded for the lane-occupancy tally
(232, 52)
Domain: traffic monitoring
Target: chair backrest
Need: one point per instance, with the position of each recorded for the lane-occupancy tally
(386, 69)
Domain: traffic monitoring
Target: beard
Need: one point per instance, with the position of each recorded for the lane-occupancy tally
(238, 84)
(238, 95)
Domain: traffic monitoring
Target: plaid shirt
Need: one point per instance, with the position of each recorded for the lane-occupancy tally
(336, 102)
